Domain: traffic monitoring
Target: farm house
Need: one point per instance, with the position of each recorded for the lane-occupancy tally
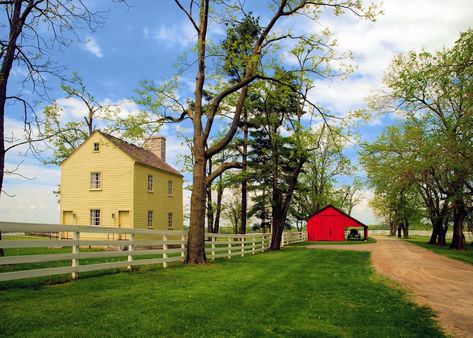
(330, 224)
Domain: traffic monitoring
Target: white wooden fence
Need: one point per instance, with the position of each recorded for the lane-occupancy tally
(161, 247)
(421, 233)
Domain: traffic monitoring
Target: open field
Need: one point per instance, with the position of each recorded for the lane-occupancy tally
(295, 292)
(465, 256)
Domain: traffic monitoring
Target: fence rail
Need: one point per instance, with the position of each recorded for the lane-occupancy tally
(138, 247)
(421, 233)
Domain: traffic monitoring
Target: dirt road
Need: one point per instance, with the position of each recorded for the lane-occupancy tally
(444, 284)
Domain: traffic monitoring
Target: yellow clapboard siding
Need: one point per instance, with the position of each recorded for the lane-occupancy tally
(158, 201)
(124, 188)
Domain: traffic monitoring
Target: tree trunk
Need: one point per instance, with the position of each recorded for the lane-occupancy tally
(1, 249)
(210, 209)
(392, 228)
(459, 214)
(196, 241)
(441, 239)
(276, 235)
(405, 229)
(435, 233)
(244, 183)
(218, 210)
(399, 230)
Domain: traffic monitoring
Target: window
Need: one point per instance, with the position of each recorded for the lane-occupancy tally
(95, 217)
(170, 188)
(150, 218)
(150, 183)
(96, 180)
(96, 147)
(170, 220)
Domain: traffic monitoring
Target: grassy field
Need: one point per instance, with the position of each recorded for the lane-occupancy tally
(295, 292)
(466, 255)
(369, 241)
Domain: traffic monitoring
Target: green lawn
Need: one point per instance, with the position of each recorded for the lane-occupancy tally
(369, 241)
(464, 255)
(293, 293)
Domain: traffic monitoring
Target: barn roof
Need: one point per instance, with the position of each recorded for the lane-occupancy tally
(341, 212)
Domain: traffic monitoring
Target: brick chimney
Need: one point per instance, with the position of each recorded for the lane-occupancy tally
(157, 145)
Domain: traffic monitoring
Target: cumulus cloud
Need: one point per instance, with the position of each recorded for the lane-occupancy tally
(406, 25)
(92, 46)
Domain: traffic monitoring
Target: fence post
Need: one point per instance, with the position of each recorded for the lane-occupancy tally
(213, 247)
(253, 249)
(229, 247)
(242, 245)
(130, 250)
(183, 246)
(282, 239)
(75, 250)
(165, 252)
(262, 242)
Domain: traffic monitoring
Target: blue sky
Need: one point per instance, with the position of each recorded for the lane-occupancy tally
(144, 40)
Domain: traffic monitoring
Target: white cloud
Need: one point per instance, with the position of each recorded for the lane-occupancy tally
(362, 210)
(92, 46)
(175, 35)
(406, 25)
(31, 203)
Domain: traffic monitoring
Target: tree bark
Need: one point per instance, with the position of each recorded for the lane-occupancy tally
(218, 210)
(196, 240)
(459, 214)
(244, 183)
(210, 209)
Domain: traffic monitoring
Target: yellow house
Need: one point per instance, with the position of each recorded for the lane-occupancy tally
(111, 183)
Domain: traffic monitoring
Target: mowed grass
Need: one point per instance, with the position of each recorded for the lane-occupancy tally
(462, 255)
(296, 292)
(369, 241)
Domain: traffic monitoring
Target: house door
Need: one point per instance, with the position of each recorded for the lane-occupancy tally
(68, 219)
(124, 222)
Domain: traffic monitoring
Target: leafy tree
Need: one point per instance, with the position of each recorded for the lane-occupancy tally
(202, 114)
(66, 136)
(317, 185)
(28, 32)
(434, 91)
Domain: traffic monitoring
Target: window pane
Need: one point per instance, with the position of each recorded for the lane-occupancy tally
(150, 183)
(96, 147)
(170, 220)
(169, 187)
(150, 218)
(95, 180)
(95, 217)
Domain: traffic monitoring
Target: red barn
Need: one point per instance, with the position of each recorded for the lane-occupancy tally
(330, 223)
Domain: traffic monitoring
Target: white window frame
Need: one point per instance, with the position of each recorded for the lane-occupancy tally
(170, 221)
(96, 147)
(150, 219)
(170, 187)
(95, 183)
(150, 183)
(95, 217)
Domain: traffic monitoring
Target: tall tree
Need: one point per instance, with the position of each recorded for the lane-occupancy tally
(434, 90)
(203, 116)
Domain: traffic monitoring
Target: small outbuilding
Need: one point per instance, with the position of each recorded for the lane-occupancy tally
(330, 224)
